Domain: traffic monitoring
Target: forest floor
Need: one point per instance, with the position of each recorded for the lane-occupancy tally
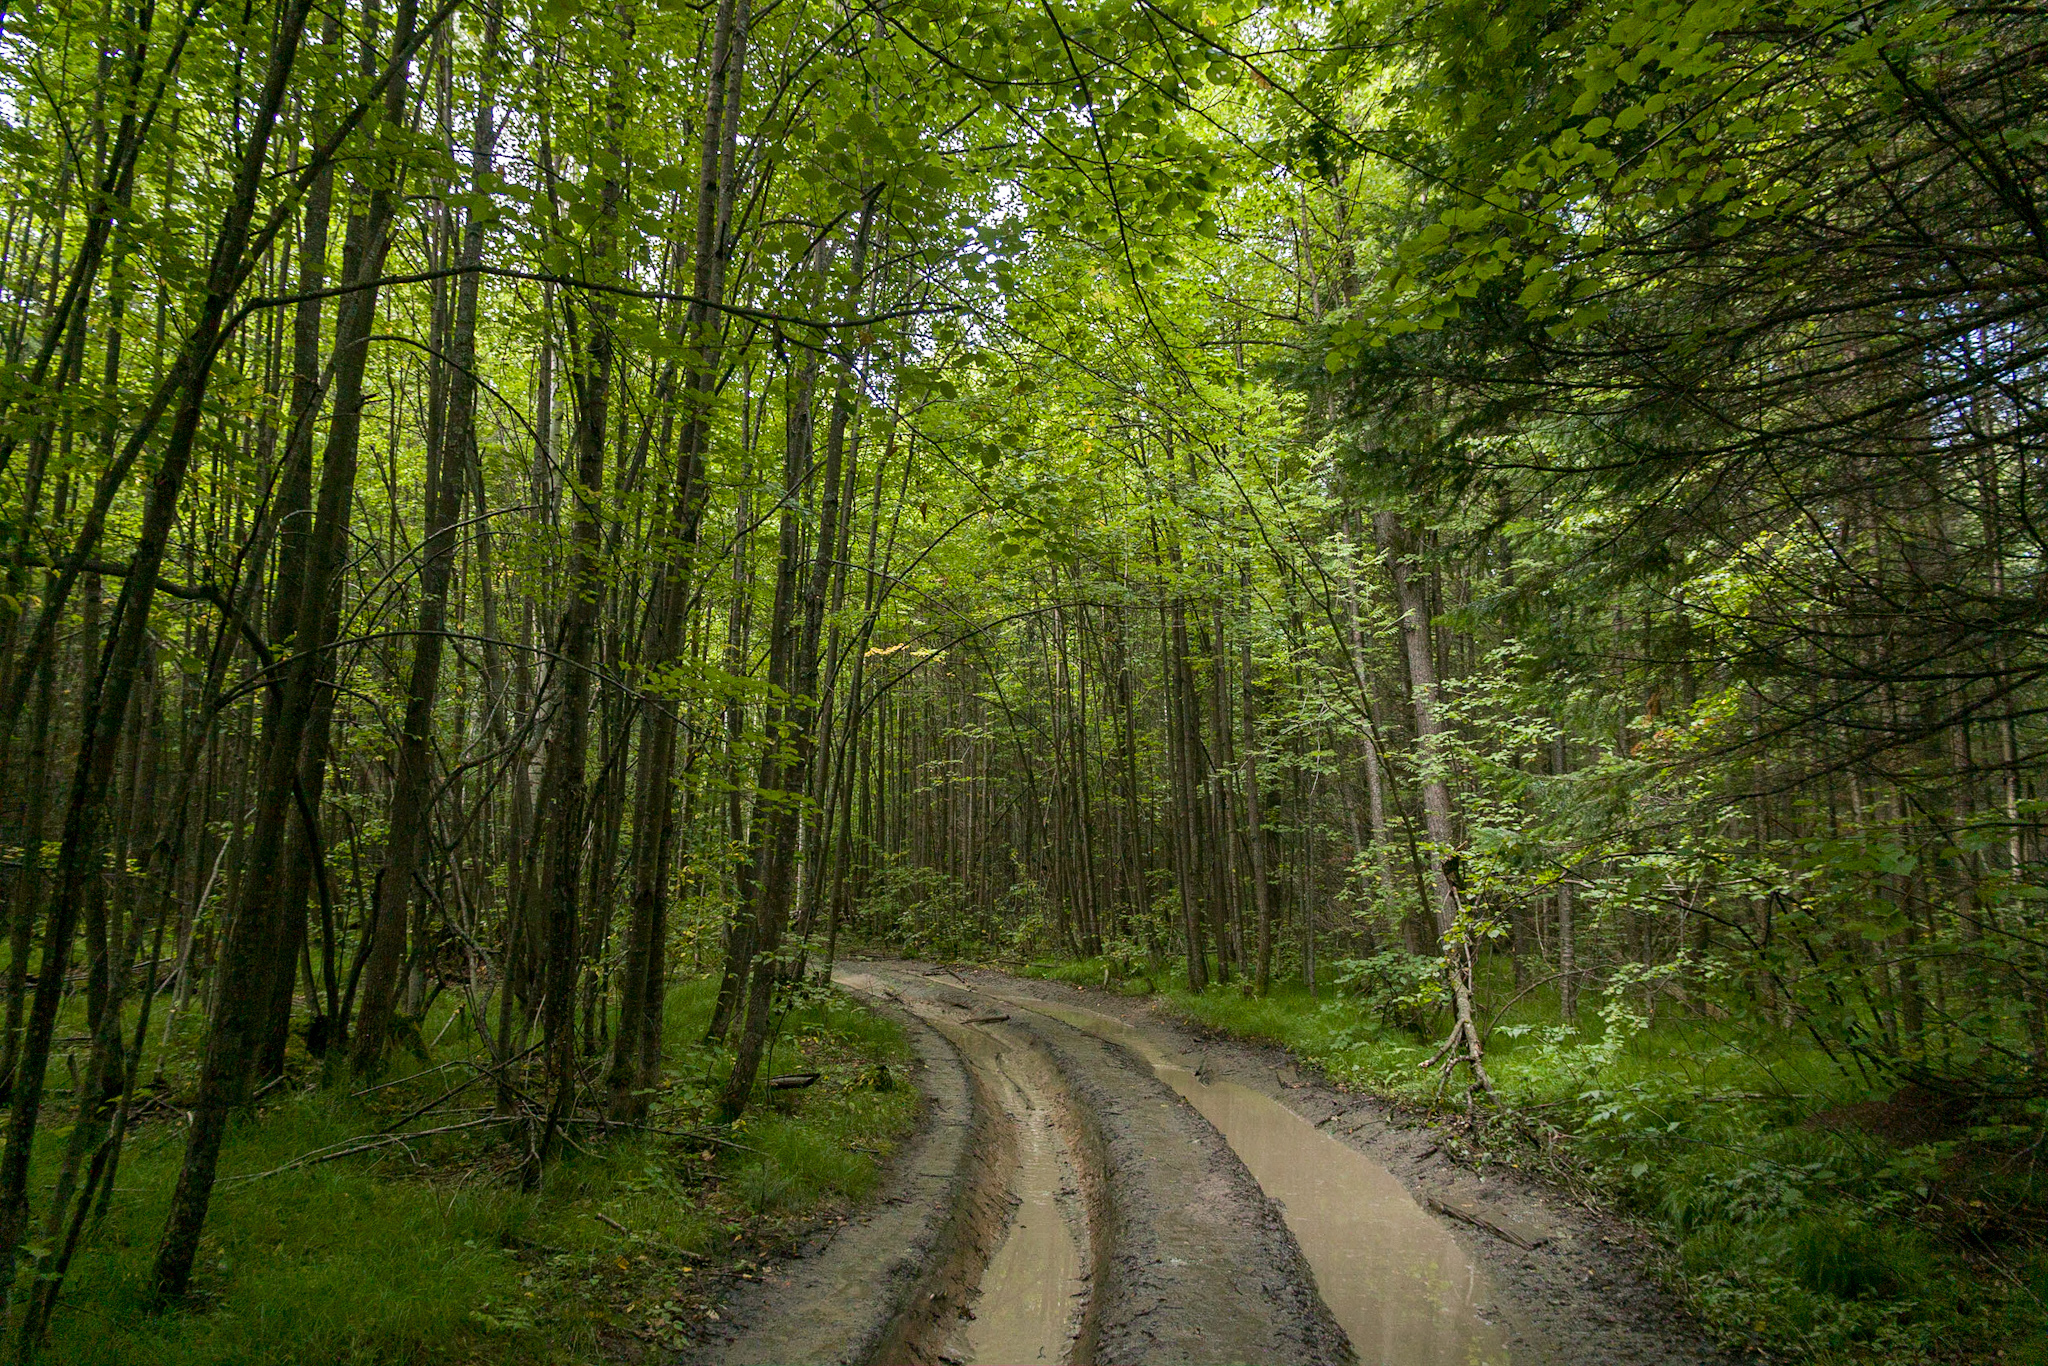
(423, 1250)
(1001, 1168)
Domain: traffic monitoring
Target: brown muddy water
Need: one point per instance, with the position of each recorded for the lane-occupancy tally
(1397, 1282)
(1032, 1295)
(1032, 1289)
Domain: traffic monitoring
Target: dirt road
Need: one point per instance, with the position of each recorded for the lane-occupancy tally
(1096, 1184)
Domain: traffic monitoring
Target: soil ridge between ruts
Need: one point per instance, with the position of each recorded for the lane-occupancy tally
(1586, 1291)
(1201, 1269)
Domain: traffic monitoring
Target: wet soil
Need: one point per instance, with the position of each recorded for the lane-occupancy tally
(1032, 1302)
(1398, 1284)
(876, 1287)
(1096, 1182)
(1582, 1293)
(1023, 1296)
(1189, 1262)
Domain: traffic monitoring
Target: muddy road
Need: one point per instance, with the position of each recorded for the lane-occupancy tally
(1094, 1184)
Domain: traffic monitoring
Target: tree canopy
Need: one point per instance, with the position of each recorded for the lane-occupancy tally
(524, 501)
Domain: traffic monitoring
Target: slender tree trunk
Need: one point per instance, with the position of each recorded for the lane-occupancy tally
(1397, 544)
(1255, 829)
(27, 883)
(408, 815)
(564, 794)
(252, 944)
(775, 819)
(1186, 808)
(636, 1051)
(785, 763)
(1567, 932)
(106, 703)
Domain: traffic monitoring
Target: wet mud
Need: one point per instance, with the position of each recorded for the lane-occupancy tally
(1395, 1279)
(1190, 1262)
(1024, 1294)
(875, 1287)
(1032, 1300)
(1560, 1282)
(1096, 1183)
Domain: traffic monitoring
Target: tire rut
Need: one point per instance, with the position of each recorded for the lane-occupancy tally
(1028, 1296)
(1191, 1263)
(1433, 1262)
(875, 1288)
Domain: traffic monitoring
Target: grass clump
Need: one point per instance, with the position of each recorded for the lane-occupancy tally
(1125, 974)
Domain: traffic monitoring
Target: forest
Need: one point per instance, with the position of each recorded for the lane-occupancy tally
(1495, 546)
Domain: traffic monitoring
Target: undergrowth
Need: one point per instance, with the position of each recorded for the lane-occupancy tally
(1810, 1213)
(426, 1252)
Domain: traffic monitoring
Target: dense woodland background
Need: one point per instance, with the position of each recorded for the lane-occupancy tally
(1434, 505)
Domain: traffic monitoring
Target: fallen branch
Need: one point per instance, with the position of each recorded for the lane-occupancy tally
(410, 1115)
(695, 1135)
(319, 1155)
(410, 1076)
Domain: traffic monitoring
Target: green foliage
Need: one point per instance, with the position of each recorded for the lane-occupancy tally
(1402, 989)
(1691, 348)
(928, 912)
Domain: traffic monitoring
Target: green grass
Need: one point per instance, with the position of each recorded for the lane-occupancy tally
(428, 1254)
(1105, 973)
(1792, 1230)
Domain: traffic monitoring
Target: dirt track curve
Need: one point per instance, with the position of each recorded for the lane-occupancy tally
(1094, 1184)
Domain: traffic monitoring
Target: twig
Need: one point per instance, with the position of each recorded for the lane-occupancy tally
(695, 1135)
(267, 1088)
(363, 1146)
(410, 1076)
(410, 1115)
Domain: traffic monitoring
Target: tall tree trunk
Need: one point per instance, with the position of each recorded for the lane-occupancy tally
(775, 817)
(408, 816)
(294, 500)
(564, 789)
(787, 758)
(1397, 544)
(636, 1049)
(1567, 931)
(842, 451)
(1186, 810)
(252, 943)
(1254, 824)
(1416, 933)
(26, 888)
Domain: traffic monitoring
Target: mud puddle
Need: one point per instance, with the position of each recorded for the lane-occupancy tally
(1032, 1295)
(1031, 1292)
(1395, 1279)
